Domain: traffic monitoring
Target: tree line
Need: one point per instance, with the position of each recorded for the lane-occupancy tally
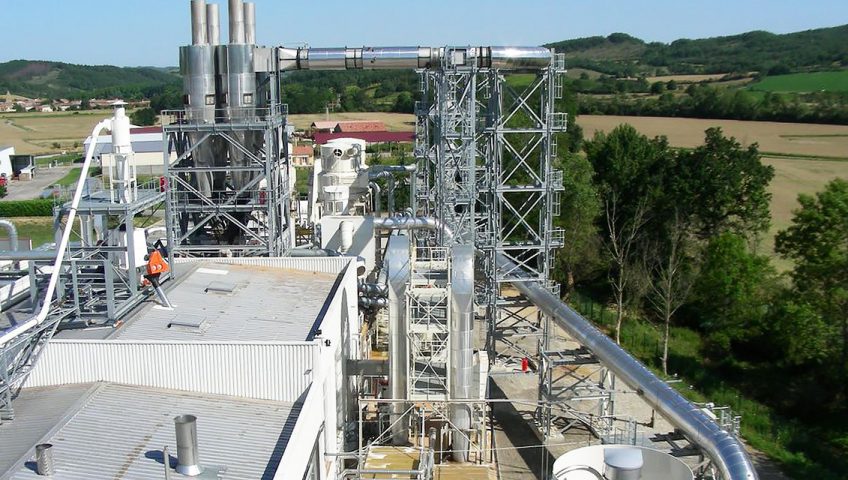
(672, 235)
(705, 101)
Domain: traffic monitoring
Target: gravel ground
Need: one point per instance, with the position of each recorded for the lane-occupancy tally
(28, 190)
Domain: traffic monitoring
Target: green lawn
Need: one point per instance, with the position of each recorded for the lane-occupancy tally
(71, 178)
(804, 82)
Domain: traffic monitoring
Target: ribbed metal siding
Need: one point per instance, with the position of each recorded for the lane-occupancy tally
(280, 372)
(306, 264)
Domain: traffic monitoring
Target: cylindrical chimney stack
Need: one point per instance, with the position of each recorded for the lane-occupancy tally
(250, 23)
(213, 24)
(188, 458)
(44, 459)
(236, 22)
(198, 22)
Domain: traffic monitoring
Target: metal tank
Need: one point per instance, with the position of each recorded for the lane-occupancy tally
(237, 93)
(197, 67)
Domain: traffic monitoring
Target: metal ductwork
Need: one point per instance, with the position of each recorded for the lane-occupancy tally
(461, 347)
(396, 263)
(725, 450)
(399, 58)
(188, 456)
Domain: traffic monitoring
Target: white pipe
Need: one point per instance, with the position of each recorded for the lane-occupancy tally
(13, 234)
(37, 319)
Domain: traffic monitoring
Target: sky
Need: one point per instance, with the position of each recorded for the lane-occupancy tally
(148, 32)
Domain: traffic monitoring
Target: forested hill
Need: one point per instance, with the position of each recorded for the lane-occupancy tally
(39, 79)
(623, 55)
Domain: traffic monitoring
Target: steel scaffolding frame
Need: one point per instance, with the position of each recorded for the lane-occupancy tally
(251, 220)
(428, 316)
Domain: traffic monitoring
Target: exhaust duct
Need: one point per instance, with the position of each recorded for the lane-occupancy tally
(188, 457)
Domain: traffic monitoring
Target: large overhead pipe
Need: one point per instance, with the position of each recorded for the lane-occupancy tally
(461, 347)
(213, 24)
(394, 58)
(726, 451)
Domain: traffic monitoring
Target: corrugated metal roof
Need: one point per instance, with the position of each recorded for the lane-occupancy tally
(37, 412)
(119, 432)
(266, 304)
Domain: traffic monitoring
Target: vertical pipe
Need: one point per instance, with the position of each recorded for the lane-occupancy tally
(250, 23)
(461, 348)
(198, 22)
(213, 24)
(188, 458)
(44, 459)
(236, 21)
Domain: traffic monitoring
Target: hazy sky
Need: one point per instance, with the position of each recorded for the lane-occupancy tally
(148, 32)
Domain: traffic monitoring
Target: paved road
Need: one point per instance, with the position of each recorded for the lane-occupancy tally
(27, 190)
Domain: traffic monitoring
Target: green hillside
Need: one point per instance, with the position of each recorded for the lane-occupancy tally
(36, 79)
(623, 55)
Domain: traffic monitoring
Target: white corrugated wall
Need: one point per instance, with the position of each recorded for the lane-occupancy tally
(268, 371)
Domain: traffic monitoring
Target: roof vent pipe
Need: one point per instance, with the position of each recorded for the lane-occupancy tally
(188, 458)
(44, 459)
(198, 22)
(213, 24)
(236, 21)
(250, 23)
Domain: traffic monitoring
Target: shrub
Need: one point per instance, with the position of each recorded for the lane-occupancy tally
(27, 208)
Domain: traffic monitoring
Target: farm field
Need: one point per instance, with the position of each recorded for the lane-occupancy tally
(804, 82)
(785, 139)
(34, 133)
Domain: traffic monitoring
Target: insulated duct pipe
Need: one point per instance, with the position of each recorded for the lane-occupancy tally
(39, 318)
(398, 58)
(13, 234)
(396, 264)
(376, 197)
(412, 223)
(725, 450)
(461, 347)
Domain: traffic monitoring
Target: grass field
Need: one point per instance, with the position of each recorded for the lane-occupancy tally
(688, 78)
(804, 82)
(36, 133)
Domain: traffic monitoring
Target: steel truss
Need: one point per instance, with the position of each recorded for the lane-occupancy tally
(428, 313)
(249, 217)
